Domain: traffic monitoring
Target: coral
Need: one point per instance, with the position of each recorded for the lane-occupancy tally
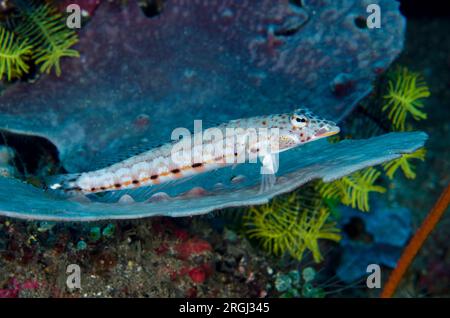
(309, 291)
(45, 226)
(287, 282)
(95, 234)
(109, 230)
(47, 33)
(81, 245)
(353, 190)
(283, 227)
(391, 167)
(291, 284)
(197, 274)
(191, 247)
(405, 94)
(416, 242)
(14, 53)
(308, 274)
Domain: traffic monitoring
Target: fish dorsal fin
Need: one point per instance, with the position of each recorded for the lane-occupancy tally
(105, 159)
(216, 122)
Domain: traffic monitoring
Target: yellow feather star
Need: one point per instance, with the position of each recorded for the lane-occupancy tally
(353, 190)
(49, 35)
(391, 167)
(285, 226)
(13, 54)
(405, 94)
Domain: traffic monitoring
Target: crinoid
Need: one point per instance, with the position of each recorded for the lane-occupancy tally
(48, 34)
(406, 90)
(353, 190)
(13, 55)
(391, 167)
(285, 225)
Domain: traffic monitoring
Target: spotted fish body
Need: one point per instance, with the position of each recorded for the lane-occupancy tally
(158, 165)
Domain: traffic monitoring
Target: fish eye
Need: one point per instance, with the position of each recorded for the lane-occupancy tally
(299, 121)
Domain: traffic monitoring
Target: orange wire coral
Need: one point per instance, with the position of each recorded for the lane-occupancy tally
(416, 243)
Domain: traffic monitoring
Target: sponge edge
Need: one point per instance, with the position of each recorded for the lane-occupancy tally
(319, 160)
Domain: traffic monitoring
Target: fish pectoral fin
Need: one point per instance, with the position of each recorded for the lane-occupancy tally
(269, 164)
(267, 182)
(268, 172)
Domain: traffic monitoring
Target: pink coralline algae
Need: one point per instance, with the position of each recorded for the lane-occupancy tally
(200, 273)
(192, 254)
(14, 288)
(191, 248)
(197, 274)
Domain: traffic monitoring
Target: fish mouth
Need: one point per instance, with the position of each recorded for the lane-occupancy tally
(327, 132)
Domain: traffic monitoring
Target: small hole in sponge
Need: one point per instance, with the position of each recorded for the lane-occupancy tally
(152, 8)
(297, 3)
(356, 230)
(361, 22)
(286, 32)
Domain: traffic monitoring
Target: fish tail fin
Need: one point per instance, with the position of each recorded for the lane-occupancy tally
(63, 183)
